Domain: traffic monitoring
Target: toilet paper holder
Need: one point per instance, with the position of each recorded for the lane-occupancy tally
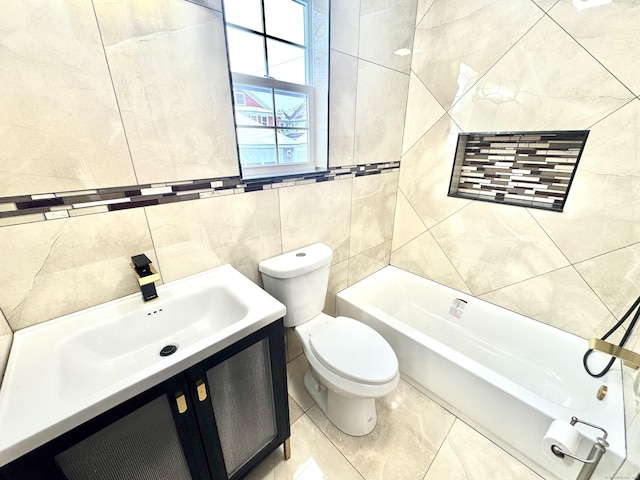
(597, 451)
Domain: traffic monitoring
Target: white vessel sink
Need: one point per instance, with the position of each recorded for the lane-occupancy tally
(66, 371)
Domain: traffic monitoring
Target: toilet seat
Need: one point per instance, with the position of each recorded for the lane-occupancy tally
(354, 351)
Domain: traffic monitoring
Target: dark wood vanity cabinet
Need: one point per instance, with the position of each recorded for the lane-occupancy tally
(216, 420)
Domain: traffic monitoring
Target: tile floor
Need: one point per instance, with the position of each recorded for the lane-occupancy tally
(415, 439)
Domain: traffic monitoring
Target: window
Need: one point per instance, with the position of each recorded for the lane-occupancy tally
(240, 98)
(278, 57)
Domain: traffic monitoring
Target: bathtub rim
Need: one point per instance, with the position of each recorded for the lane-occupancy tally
(615, 410)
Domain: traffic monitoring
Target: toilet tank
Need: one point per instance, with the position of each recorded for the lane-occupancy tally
(299, 280)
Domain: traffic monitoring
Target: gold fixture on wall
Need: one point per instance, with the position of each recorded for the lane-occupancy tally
(629, 358)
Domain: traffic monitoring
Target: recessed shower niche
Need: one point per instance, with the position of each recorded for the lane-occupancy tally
(530, 169)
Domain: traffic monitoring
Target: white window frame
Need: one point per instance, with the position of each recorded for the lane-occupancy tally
(259, 171)
(271, 170)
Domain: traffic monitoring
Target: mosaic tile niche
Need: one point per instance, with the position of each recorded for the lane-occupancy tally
(531, 169)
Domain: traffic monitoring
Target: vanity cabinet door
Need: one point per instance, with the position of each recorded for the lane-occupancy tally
(217, 420)
(152, 436)
(242, 402)
(157, 440)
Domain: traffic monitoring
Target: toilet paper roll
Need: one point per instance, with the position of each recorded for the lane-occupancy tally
(565, 436)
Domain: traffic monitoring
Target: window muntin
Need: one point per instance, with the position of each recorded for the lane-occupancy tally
(272, 125)
(272, 65)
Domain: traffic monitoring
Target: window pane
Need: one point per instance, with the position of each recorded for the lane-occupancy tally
(246, 13)
(286, 62)
(285, 19)
(257, 146)
(292, 146)
(291, 109)
(254, 105)
(246, 52)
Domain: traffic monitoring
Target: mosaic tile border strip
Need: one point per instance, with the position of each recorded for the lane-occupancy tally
(532, 169)
(53, 206)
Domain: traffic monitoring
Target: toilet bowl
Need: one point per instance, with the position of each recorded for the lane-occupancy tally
(350, 363)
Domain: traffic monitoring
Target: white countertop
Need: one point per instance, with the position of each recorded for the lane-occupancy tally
(39, 400)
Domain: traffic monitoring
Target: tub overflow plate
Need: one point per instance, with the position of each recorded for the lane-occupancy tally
(602, 392)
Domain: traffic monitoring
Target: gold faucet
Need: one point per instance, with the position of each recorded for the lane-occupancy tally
(146, 275)
(628, 357)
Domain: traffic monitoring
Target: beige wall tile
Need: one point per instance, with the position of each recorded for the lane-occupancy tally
(616, 48)
(386, 32)
(560, 298)
(169, 67)
(317, 212)
(423, 7)
(423, 111)
(545, 82)
(493, 246)
(191, 237)
(342, 108)
(380, 112)
(62, 266)
(614, 277)
(545, 4)
(603, 207)
(463, 33)
(406, 224)
(423, 256)
(345, 26)
(60, 125)
(368, 262)
(338, 280)
(425, 173)
(373, 205)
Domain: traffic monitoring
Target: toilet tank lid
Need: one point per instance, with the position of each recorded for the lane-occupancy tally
(297, 262)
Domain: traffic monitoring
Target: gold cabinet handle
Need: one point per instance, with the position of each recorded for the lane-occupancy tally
(202, 390)
(181, 401)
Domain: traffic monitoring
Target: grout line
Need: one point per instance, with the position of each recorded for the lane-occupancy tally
(153, 244)
(612, 112)
(437, 452)
(426, 229)
(590, 54)
(115, 94)
(470, 87)
(336, 446)
(452, 264)
(528, 210)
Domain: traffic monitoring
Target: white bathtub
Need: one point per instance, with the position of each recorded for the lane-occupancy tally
(506, 375)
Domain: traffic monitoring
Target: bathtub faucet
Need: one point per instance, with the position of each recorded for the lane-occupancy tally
(146, 275)
(597, 451)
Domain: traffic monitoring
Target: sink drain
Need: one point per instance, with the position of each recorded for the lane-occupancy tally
(168, 350)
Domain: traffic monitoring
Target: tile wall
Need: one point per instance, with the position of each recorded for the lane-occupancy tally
(533, 66)
(108, 103)
(528, 65)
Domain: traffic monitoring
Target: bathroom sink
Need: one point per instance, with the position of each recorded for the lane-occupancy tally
(135, 340)
(68, 370)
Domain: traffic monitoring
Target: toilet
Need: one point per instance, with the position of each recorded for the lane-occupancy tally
(350, 363)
